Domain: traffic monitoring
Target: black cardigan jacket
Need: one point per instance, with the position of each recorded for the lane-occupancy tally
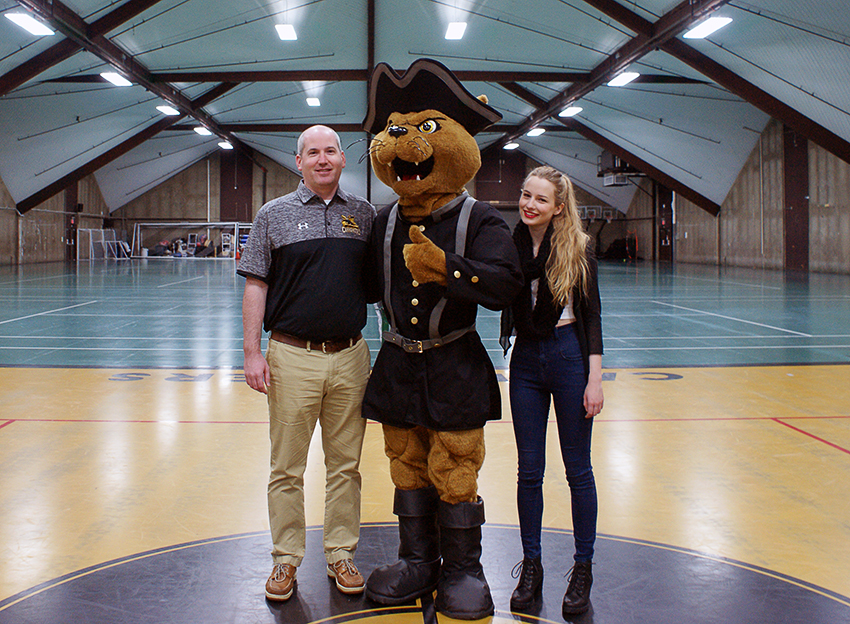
(588, 313)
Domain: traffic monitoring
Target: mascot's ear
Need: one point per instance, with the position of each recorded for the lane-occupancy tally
(483, 99)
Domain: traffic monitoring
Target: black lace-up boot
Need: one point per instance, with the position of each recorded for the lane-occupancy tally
(577, 598)
(530, 586)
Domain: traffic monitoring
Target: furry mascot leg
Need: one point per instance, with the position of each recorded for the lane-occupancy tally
(418, 569)
(453, 463)
(439, 512)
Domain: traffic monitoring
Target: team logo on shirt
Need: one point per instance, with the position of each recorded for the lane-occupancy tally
(349, 225)
(303, 225)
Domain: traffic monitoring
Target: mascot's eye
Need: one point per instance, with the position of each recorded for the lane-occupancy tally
(428, 126)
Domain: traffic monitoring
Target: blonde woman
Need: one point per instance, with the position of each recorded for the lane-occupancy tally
(557, 357)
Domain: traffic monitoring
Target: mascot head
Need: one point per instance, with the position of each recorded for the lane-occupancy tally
(423, 124)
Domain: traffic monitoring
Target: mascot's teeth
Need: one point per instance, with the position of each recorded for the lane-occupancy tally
(407, 171)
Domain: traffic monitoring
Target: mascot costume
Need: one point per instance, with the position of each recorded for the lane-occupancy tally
(438, 254)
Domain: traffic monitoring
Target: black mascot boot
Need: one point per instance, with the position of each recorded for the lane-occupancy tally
(463, 592)
(418, 568)
(577, 598)
(530, 586)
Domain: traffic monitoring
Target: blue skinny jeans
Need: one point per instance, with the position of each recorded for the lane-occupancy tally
(542, 371)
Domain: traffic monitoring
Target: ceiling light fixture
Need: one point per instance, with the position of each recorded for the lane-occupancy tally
(534, 132)
(623, 79)
(117, 79)
(704, 29)
(570, 111)
(202, 131)
(225, 145)
(286, 32)
(455, 30)
(311, 101)
(168, 110)
(511, 146)
(30, 24)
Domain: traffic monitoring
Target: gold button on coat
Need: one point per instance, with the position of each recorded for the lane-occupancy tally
(457, 273)
(414, 302)
(474, 279)
(414, 320)
(415, 283)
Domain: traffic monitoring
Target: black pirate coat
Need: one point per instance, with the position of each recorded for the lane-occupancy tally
(452, 386)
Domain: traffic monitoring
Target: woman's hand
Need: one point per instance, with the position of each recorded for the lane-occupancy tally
(593, 398)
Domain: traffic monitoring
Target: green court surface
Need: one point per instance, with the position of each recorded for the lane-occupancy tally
(185, 313)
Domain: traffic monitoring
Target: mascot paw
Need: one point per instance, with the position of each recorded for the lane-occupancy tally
(425, 261)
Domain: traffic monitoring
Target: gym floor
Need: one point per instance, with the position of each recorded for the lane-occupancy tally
(134, 459)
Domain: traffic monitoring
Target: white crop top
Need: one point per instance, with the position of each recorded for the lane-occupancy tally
(566, 315)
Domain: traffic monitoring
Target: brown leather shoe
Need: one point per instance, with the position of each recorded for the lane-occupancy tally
(281, 583)
(348, 578)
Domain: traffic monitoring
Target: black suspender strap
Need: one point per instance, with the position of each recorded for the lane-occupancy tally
(435, 340)
(388, 272)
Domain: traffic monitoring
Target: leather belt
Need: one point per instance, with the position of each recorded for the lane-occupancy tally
(419, 346)
(328, 346)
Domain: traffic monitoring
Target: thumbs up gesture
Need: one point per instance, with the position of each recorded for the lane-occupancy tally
(425, 261)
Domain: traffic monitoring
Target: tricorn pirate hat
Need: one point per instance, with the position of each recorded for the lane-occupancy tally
(427, 84)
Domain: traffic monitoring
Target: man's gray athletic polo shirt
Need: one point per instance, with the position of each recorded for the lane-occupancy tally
(311, 255)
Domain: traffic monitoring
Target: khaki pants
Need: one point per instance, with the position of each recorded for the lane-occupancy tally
(309, 387)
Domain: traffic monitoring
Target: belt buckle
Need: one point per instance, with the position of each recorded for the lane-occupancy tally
(413, 346)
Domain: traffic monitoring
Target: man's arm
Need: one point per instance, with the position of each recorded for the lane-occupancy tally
(257, 372)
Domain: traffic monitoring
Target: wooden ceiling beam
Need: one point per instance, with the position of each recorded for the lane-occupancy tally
(650, 36)
(107, 157)
(298, 127)
(120, 16)
(730, 80)
(34, 66)
(638, 163)
(357, 75)
(93, 165)
(64, 20)
(759, 98)
(524, 94)
(288, 75)
(66, 48)
(272, 127)
(74, 27)
(633, 160)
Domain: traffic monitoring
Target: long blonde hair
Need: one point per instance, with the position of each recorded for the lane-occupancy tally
(567, 264)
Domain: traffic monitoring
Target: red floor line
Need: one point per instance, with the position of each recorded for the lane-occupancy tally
(718, 419)
(806, 433)
(143, 422)
(504, 421)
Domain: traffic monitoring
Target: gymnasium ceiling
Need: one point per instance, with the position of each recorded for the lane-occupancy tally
(690, 121)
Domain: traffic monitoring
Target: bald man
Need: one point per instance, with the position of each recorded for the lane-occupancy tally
(304, 267)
